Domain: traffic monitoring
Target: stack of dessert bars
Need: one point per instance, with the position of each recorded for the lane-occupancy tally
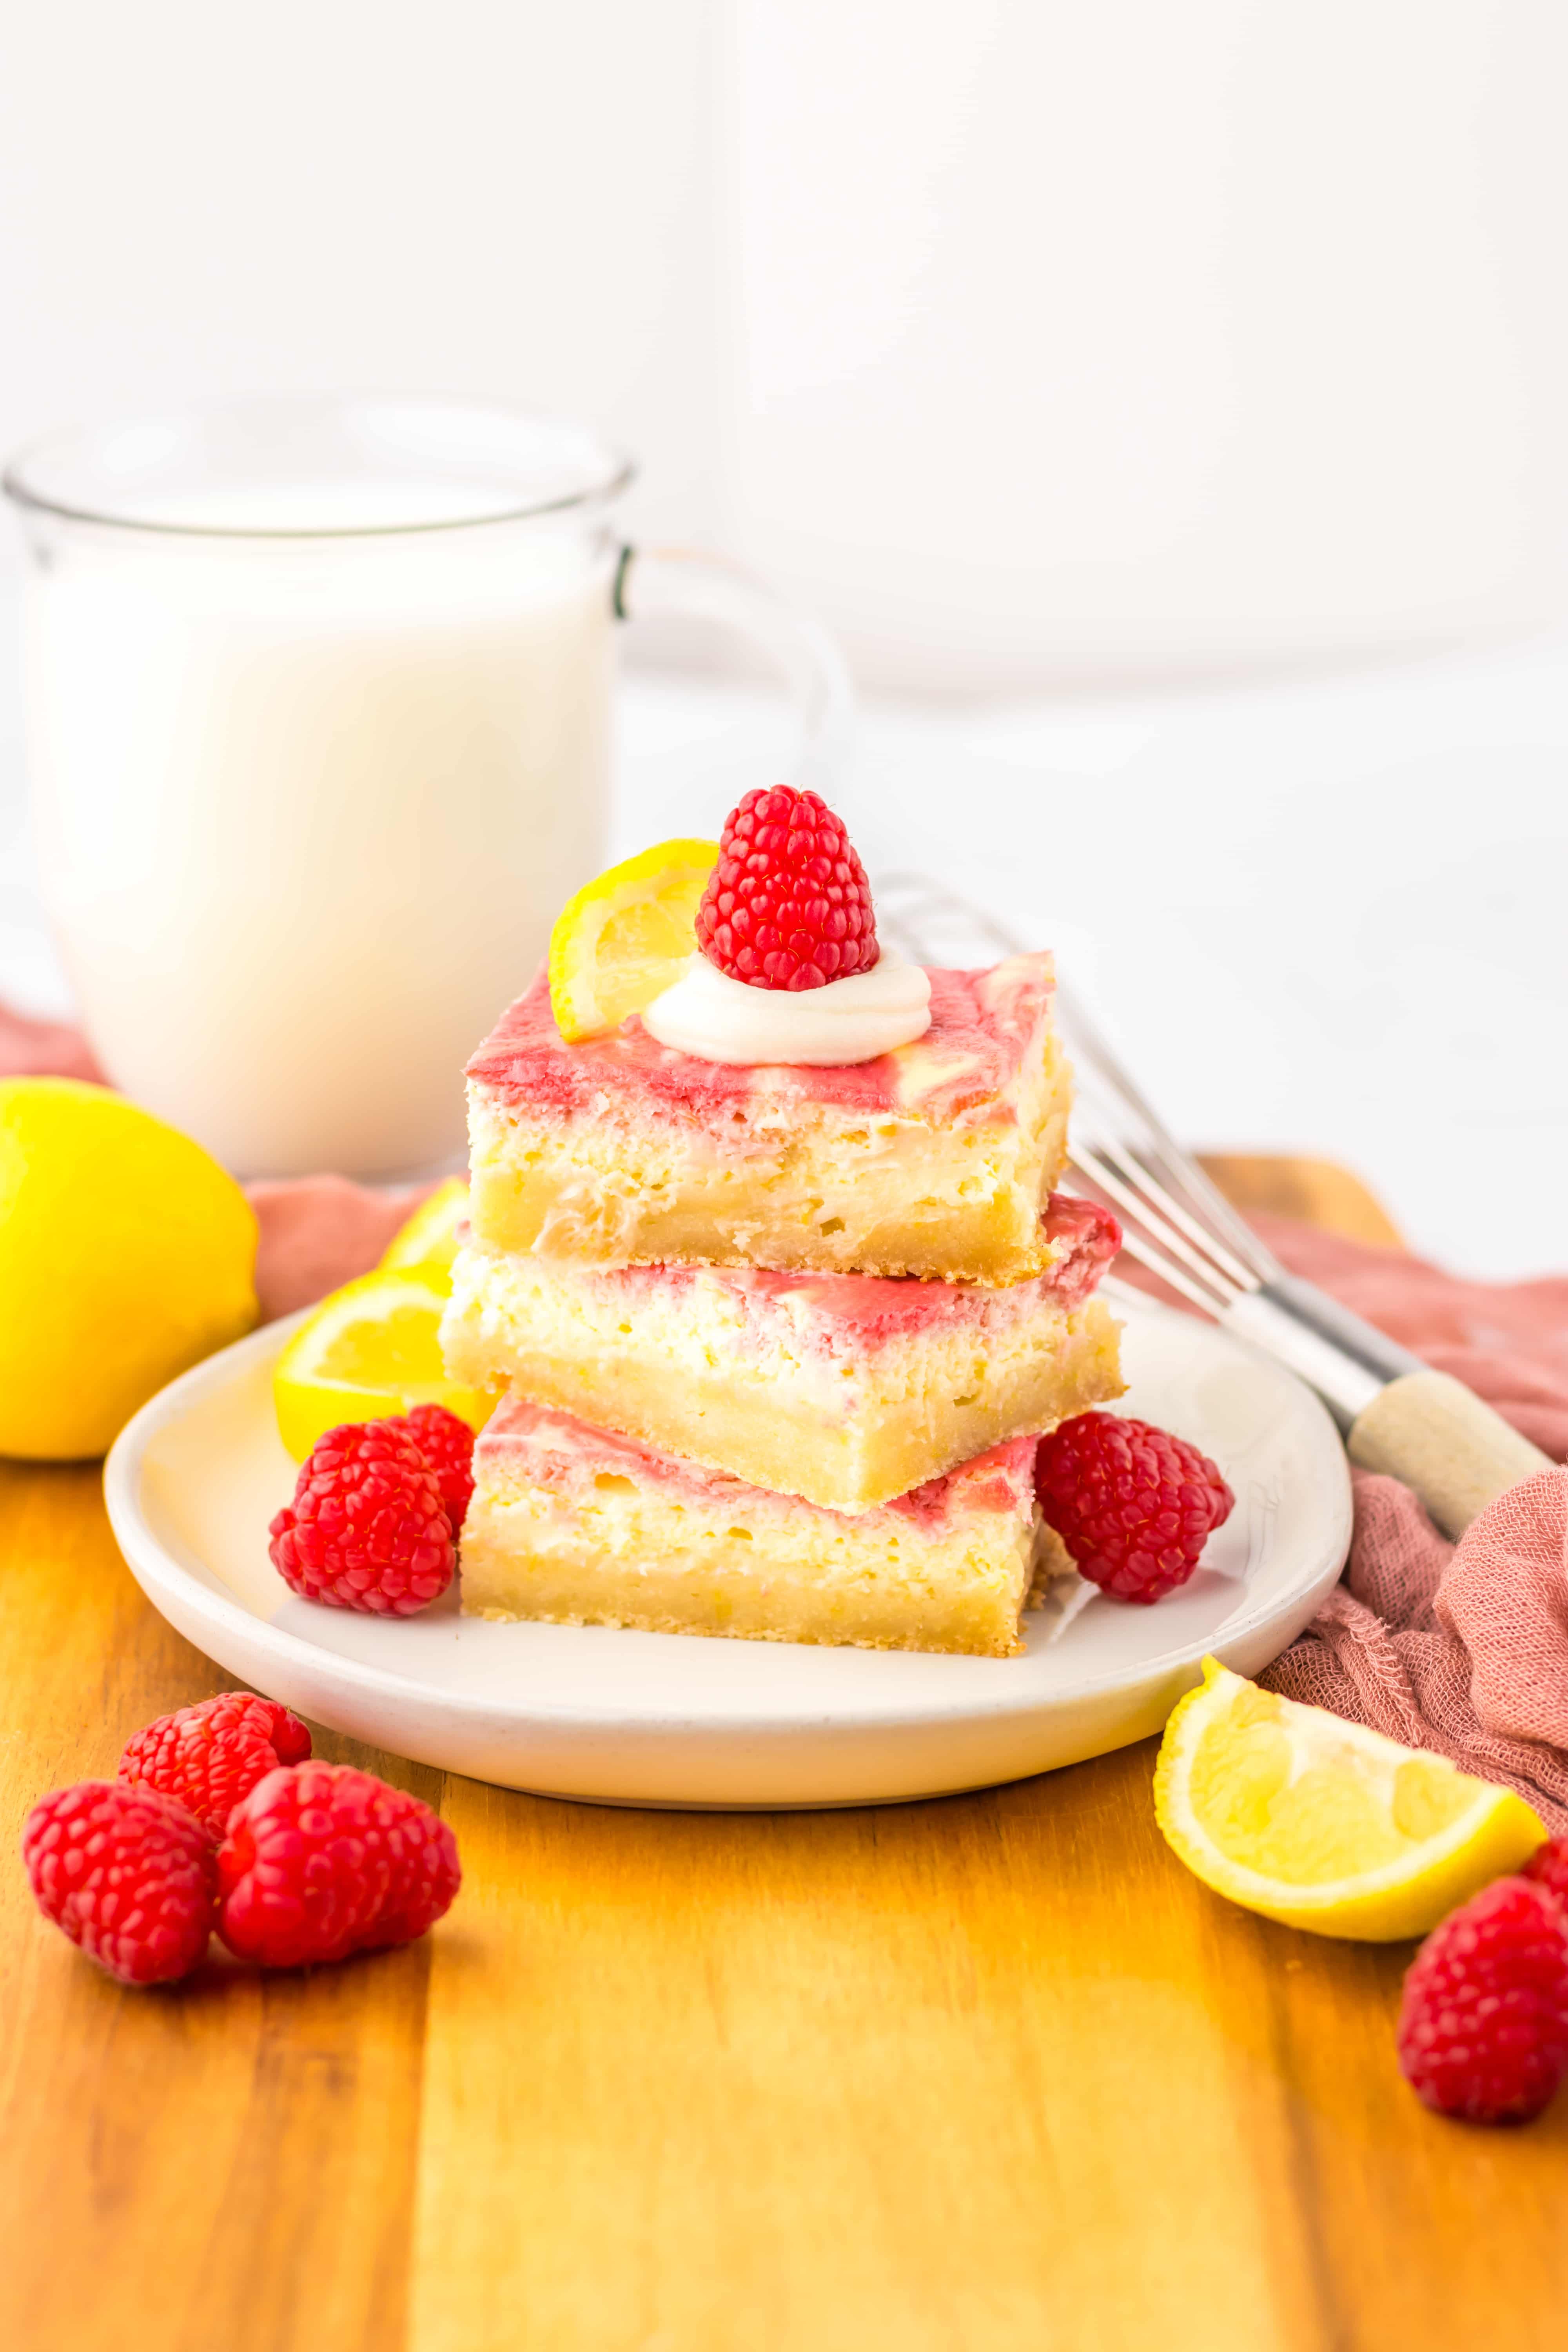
(777, 1343)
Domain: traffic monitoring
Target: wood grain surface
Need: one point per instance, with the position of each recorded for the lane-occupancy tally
(964, 2077)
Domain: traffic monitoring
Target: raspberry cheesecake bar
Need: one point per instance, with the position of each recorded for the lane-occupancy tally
(763, 1237)
(579, 1526)
(932, 1158)
(845, 1389)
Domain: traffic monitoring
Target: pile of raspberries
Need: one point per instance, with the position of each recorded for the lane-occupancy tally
(219, 1818)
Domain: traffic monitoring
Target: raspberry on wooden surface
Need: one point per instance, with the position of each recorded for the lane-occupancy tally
(447, 1443)
(208, 1755)
(368, 1528)
(788, 905)
(128, 1874)
(1483, 2024)
(1133, 1505)
(322, 1859)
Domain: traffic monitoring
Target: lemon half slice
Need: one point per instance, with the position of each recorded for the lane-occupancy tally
(371, 1348)
(624, 938)
(427, 1244)
(1322, 1824)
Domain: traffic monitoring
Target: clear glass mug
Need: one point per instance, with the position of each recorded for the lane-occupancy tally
(319, 714)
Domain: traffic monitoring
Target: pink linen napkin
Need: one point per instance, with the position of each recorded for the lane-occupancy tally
(317, 1231)
(30, 1048)
(1461, 1648)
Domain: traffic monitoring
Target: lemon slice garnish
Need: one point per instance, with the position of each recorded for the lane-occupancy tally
(427, 1244)
(1323, 1824)
(371, 1348)
(625, 936)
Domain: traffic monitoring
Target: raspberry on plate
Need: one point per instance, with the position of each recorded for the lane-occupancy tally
(1548, 1866)
(368, 1528)
(322, 1860)
(1483, 2024)
(208, 1755)
(1133, 1505)
(128, 1874)
(447, 1443)
(788, 905)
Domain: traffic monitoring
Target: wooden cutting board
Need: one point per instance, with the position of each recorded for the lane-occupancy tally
(992, 2075)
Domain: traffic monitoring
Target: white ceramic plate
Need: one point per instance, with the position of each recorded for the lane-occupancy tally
(670, 1719)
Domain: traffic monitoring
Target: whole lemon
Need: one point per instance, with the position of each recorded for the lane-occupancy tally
(126, 1255)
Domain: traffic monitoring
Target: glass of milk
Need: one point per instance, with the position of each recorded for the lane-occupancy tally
(319, 710)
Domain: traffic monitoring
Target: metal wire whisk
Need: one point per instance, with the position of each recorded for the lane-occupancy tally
(1396, 1414)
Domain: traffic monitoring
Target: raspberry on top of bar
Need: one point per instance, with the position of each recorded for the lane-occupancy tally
(934, 1159)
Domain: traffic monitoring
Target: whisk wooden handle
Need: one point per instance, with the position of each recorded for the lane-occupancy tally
(1440, 1438)
(1396, 1414)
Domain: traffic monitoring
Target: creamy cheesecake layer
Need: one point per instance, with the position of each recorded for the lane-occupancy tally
(934, 1160)
(847, 1390)
(578, 1526)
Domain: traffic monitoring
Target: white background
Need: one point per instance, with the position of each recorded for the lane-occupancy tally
(1032, 342)
(1188, 360)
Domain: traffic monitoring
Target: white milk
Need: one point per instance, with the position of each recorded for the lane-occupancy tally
(307, 808)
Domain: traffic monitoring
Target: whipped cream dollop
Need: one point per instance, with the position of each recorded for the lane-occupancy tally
(717, 1019)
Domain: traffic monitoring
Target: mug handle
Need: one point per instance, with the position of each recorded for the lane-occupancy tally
(684, 580)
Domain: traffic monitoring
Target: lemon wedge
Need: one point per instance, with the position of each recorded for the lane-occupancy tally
(625, 936)
(371, 1348)
(427, 1244)
(1322, 1824)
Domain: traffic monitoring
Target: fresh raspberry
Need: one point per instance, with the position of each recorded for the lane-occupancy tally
(1483, 2025)
(1133, 1505)
(206, 1757)
(1548, 1866)
(448, 1444)
(367, 1529)
(321, 1861)
(126, 1873)
(788, 905)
